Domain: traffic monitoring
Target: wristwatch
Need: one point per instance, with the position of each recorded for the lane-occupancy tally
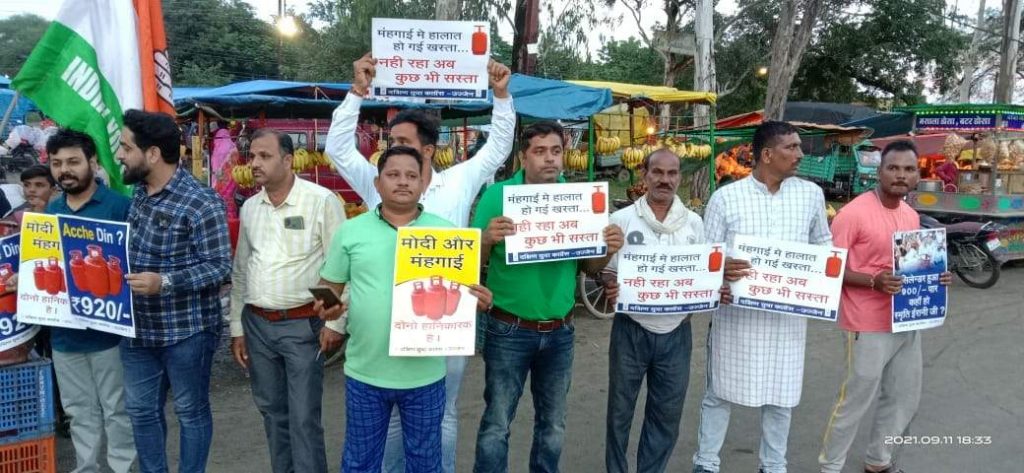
(165, 284)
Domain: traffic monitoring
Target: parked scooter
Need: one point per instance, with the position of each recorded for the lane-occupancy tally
(970, 246)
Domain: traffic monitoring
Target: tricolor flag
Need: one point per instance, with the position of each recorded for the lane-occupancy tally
(98, 59)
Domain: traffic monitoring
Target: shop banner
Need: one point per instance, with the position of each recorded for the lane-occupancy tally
(968, 121)
(668, 279)
(13, 332)
(74, 274)
(430, 59)
(920, 257)
(789, 278)
(1013, 121)
(432, 311)
(556, 221)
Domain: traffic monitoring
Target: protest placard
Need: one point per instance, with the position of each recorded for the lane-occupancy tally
(13, 332)
(77, 279)
(920, 257)
(556, 221)
(430, 59)
(789, 278)
(432, 311)
(668, 279)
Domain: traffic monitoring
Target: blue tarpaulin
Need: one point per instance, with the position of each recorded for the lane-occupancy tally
(534, 97)
(22, 109)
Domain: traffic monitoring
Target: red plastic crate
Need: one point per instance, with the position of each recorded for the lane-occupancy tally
(31, 456)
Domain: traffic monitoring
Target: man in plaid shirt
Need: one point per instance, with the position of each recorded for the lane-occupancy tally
(180, 256)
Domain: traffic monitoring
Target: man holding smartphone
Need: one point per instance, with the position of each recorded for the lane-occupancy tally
(276, 334)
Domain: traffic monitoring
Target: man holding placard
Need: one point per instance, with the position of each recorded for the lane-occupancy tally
(87, 362)
(276, 335)
(877, 360)
(448, 194)
(755, 357)
(655, 345)
(530, 328)
(362, 257)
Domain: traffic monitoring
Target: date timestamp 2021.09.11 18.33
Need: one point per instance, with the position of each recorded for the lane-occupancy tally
(961, 440)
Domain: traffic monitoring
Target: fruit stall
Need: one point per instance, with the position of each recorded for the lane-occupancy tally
(978, 175)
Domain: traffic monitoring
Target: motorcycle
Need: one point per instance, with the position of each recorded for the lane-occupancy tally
(970, 246)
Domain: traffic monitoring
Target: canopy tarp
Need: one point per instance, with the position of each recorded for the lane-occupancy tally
(927, 145)
(822, 113)
(534, 97)
(886, 124)
(656, 93)
(21, 109)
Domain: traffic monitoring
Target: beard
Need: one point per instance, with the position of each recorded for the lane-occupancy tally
(80, 185)
(135, 175)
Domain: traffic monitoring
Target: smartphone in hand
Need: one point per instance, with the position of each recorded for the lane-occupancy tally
(325, 295)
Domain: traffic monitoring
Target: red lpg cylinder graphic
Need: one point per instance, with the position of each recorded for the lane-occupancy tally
(453, 297)
(715, 260)
(419, 299)
(53, 280)
(39, 276)
(97, 276)
(77, 263)
(437, 298)
(9, 301)
(116, 275)
(479, 42)
(834, 265)
(598, 201)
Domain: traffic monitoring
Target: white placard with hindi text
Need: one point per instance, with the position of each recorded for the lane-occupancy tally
(430, 59)
(789, 278)
(669, 279)
(556, 221)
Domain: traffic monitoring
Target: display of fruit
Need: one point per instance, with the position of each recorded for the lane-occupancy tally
(375, 157)
(607, 144)
(637, 190)
(576, 160)
(444, 157)
(830, 212)
(303, 160)
(734, 162)
(242, 175)
(633, 157)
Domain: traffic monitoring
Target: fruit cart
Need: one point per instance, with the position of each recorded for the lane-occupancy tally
(987, 144)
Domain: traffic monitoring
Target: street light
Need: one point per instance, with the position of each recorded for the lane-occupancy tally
(762, 71)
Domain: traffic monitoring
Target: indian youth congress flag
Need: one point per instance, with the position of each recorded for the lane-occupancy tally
(98, 59)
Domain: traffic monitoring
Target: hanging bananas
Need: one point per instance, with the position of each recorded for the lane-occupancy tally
(242, 175)
(444, 157)
(575, 160)
(607, 144)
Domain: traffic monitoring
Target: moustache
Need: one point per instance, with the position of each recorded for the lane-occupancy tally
(64, 177)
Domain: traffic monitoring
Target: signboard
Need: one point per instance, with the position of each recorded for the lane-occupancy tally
(964, 121)
(1013, 121)
(432, 311)
(13, 332)
(74, 274)
(556, 222)
(920, 257)
(430, 59)
(668, 279)
(789, 278)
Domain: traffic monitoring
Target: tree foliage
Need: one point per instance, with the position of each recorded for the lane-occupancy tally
(18, 35)
(214, 41)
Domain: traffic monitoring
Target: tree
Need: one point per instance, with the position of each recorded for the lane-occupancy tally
(18, 36)
(1008, 52)
(213, 40)
(788, 47)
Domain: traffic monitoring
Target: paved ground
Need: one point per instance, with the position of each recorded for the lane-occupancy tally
(973, 386)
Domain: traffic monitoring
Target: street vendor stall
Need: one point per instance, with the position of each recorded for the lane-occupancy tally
(986, 144)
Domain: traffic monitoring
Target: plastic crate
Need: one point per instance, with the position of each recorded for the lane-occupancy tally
(26, 401)
(30, 456)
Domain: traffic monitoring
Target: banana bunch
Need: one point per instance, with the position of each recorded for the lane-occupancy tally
(633, 157)
(303, 160)
(242, 175)
(830, 212)
(575, 160)
(444, 157)
(375, 157)
(608, 144)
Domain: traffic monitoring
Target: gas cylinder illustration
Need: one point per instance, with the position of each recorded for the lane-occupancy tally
(437, 298)
(598, 201)
(715, 260)
(834, 265)
(9, 301)
(39, 276)
(453, 297)
(97, 275)
(116, 275)
(77, 264)
(479, 42)
(53, 280)
(419, 299)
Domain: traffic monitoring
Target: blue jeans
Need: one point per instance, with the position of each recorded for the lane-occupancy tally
(510, 353)
(185, 369)
(394, 453)
(368, 410)
(664, 359)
